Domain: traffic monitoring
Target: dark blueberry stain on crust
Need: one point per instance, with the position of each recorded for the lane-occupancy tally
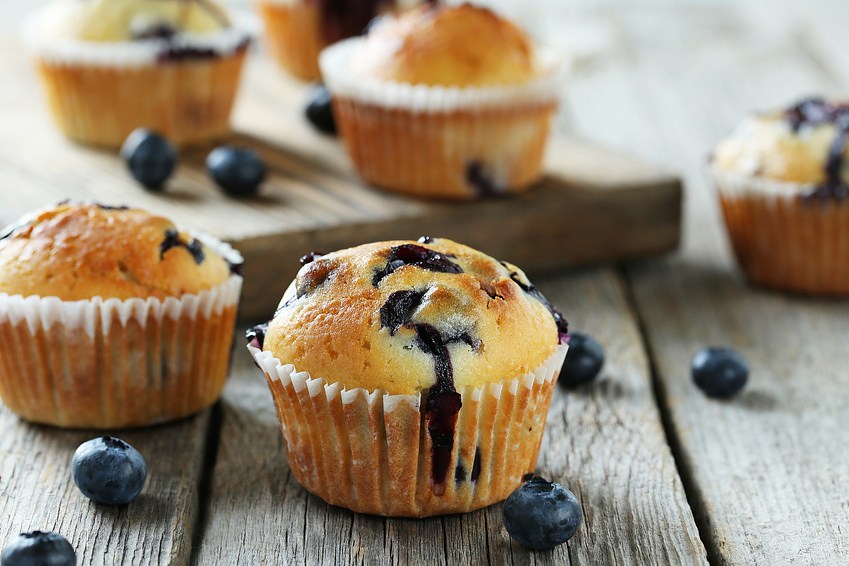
(173, 53)
(528, 287)
(442, 403)
(173, 240)
(255, 335)
(236, 268)
(481, 181)
(814, 112)
(398, 309)
(460, 470)
(419, 256)
(309, 258)
(476, 466)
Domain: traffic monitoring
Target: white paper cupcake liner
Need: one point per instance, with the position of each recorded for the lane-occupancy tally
(334, 62)
(781, 239)
(111, 363)
(370, 451)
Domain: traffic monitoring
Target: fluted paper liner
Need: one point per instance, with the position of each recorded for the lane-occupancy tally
(371, 452)
(110, 363)
(99, 92)
(781, 240)
(292, 36)
(446, 142)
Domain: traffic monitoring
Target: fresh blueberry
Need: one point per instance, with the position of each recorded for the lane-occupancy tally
(38, 549)
(109, 471)
(150, 157)
(719, 371)
(320, 111)
(541, 514)
(237, 170)
(583, 360)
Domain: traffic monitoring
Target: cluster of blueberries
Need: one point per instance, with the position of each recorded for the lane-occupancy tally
(151, 158)
(108, 471)
(539, 514)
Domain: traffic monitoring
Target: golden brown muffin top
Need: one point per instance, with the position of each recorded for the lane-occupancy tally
(407, 316)
(803, 144)
(458, 46)
(80, 251)
(125, 20)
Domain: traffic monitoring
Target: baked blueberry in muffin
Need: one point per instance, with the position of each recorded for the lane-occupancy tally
(435, 360)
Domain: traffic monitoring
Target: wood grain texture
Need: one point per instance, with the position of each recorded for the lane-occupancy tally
(766, 471)
(621, 207)
(604, 441)
(38, 493)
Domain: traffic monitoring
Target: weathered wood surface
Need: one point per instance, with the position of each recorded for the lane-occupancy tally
(624, 207)
(766, 472)
(604, 441)
(38, 493)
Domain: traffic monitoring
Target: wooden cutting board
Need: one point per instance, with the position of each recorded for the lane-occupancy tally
(593, 205)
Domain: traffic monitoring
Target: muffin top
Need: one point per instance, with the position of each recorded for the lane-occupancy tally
(407, 316)
(433, 45)
(79, 251)
(805, 143)
(126, 20)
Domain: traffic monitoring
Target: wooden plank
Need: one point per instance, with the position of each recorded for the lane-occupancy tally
(619, 206)
(37, 492)
(604, 441)
(765, 472)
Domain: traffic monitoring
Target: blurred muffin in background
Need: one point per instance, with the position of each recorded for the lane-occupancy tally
(111, 66)
(449, 102)
(783, 184)
(297, 30)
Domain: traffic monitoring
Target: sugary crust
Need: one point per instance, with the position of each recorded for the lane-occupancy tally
(329, 322)
(767, 146)
(458, 46)
(79, 251)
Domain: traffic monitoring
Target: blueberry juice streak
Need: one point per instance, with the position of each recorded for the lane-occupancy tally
(815, 112)
(442, 405)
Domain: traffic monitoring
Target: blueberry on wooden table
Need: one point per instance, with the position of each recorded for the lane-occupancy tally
(150, 157)
(541, 514)
(38, 549)
(719, 371)
(583, 362)
(108, 470)
(237, 170)
(319, 110)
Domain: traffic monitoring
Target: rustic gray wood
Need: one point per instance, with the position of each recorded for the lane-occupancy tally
(767, 472)
(604, 441)
(38, 493)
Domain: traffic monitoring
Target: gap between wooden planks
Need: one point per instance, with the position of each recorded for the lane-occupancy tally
(766, 472)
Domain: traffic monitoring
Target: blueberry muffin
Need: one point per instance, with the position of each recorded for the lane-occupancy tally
(111, 66)
(297, 30)
(113, 317)
(424, 110)
(782, 183)
(411, 378)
